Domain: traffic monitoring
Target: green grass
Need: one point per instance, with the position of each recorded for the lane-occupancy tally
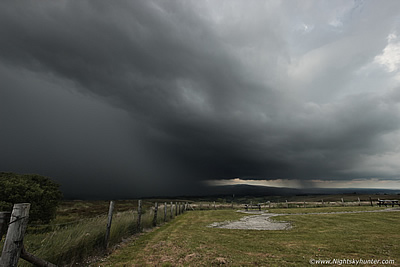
(74, 243)
(78, 233)
(74, 237)
(188, 242)
(323, 209)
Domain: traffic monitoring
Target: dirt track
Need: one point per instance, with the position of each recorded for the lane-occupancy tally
(262, 221)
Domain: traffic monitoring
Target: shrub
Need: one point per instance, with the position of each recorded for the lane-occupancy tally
(43, 194)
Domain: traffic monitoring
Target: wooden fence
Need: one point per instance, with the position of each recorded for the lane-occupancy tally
(317, 204)
(16, 222)
(282, 204)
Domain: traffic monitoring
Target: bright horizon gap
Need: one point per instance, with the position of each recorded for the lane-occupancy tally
(372, 183)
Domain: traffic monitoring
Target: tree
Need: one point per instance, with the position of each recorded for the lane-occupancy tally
(43, 194)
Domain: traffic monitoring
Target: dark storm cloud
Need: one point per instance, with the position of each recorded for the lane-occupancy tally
(150, 95)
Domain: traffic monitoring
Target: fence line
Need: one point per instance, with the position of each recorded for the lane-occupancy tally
(13, 248)
(280, 204)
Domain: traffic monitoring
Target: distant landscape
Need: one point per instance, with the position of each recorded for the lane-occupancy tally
(252, 190)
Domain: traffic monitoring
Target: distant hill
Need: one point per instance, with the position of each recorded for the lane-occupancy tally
(251, 190)
(239, 191)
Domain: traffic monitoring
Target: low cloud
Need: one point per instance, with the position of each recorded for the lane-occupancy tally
(156, 97)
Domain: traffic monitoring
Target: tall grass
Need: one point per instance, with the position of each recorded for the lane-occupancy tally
(70, 244)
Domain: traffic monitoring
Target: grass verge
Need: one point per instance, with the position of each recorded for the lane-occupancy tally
(72, 244)
(69, 244)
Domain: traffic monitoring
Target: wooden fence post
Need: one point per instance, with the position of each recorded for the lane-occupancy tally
(15, 235)
(342, 202)
(165, 211)
(176, 208)
(370, 199)
(359, 202)
(4, 220)
(139, 221)
(287, 204)
(35, 260)
(155, 214)
(110, 215)
(172, 210)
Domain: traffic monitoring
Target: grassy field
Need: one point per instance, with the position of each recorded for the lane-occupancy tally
(188, 242)
(76, 236)
(324, 209)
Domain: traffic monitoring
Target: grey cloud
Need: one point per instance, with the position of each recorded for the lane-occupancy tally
(158, 95)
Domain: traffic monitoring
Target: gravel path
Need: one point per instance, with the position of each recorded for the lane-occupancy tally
(261, 220)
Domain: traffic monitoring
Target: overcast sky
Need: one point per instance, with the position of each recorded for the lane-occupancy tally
(157, 97)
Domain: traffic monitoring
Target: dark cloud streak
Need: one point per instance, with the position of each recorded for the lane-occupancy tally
(152, 95)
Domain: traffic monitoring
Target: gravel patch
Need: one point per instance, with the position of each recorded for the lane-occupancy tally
(255, 222)
(262, 220)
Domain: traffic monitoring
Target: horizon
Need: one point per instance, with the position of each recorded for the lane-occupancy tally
(372, 183)
(245, 190)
